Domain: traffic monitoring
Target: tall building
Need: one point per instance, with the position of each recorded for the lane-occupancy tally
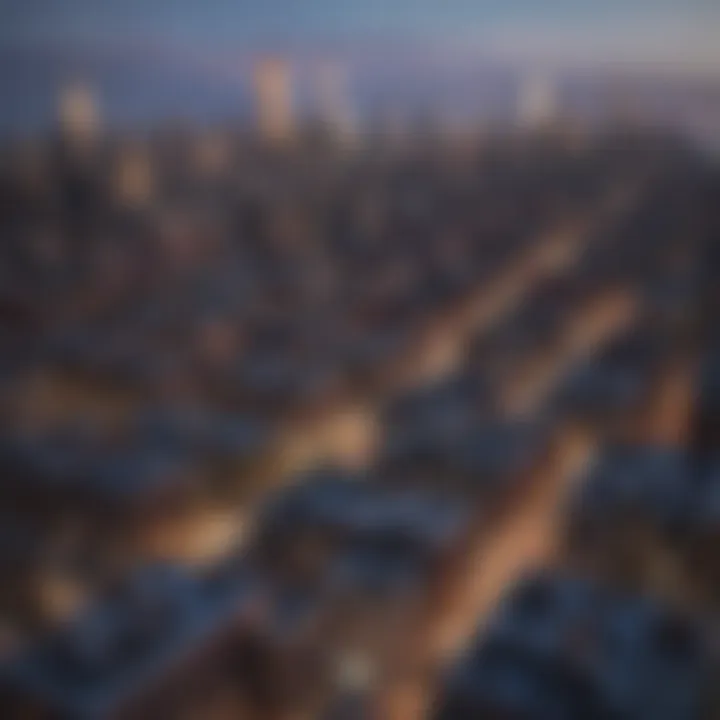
(333, 105)
(537, 102)
(134, 177)
(274, 101)
(78, 114)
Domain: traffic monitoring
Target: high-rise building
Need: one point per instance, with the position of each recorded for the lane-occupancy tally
(537, 100)
(78, 114)
(76, 163)
(274, 101)
(333, 106)
(134, 178)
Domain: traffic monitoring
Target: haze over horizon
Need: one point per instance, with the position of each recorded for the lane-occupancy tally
(673, 32)
(199, 53)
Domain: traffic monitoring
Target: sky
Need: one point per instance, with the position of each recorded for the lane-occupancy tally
(150, 59)
(675, 33)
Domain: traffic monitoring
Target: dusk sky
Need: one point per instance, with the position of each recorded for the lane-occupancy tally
(682, 33)
(152, 59)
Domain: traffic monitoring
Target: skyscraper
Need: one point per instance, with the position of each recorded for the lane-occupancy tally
(537, 100)
(78, 114)
(274, 101)
(333, 105)
(134, 178)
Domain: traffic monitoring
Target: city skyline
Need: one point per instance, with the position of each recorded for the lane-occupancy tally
(153, 60)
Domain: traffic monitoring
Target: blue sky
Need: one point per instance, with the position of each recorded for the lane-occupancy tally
(685, 31)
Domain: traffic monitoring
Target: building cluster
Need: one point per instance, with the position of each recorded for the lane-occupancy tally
(287, 431)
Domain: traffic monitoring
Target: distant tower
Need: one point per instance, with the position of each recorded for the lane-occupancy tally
(77, 169)
(134, 178)
(78, 114)
(537, 100)
(333, 105)
(274, 101)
